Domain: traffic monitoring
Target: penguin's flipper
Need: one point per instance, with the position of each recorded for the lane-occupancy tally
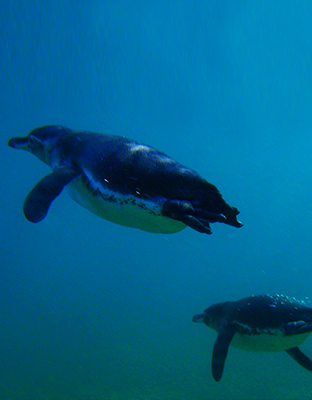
(297, 327)
(301, 358)
(220, 351)
(38, 201)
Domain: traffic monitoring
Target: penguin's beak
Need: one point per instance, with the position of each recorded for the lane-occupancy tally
(19, 143)
(198, 318)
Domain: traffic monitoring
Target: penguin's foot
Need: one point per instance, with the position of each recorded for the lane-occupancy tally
(196, 218)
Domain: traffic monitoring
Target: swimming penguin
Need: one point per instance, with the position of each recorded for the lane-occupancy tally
(122, 181)
(258, 323)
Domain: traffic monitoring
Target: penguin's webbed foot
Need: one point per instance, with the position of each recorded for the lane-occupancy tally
(195, 218)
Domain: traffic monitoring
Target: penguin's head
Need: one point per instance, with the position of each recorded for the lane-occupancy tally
(199, 318)
(212, 316)
(205, 318)
(40, 141)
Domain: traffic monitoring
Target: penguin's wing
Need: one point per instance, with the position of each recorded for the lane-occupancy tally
(220, 350)
(301, 358)
(38, 201)
(297, 327)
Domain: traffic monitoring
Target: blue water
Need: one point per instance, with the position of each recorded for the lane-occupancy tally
(95, 311)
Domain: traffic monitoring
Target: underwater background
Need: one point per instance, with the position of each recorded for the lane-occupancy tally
(95, 311)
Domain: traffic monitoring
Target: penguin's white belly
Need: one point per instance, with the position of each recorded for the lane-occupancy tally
(126, 210)
(267, 342)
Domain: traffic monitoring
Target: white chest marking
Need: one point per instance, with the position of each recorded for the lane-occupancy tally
(122, 209)
(267, 342)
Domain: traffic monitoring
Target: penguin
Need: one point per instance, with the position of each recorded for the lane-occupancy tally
(258, 323)
(122, 181)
